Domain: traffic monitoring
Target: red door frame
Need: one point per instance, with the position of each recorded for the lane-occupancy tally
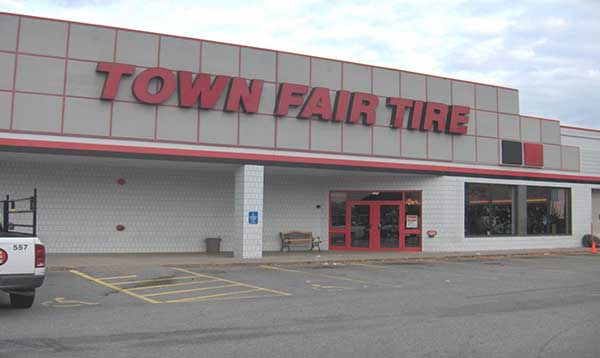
(402, 232)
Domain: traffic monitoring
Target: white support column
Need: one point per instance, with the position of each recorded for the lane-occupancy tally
(248, 233)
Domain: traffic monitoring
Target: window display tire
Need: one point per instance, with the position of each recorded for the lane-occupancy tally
(21, 300)
(586, 241)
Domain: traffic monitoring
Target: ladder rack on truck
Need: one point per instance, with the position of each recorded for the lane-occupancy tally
(9, 208)
(22, 254)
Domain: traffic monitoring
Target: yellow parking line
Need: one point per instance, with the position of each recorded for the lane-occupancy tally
(342, 278)
(116, 277)
(113, 287)
(154, 280)
(230, 281)
(169, 285)
(203, 298)
(189, 290)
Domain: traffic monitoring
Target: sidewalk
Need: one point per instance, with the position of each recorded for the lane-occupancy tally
(63, 262)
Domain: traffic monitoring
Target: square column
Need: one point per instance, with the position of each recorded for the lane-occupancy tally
(248, 202)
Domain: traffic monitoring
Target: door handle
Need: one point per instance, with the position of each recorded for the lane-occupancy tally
(379, 226)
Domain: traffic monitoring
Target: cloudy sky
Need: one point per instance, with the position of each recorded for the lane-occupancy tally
(549, 50)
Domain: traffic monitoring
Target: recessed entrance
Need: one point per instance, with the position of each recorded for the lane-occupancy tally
(596, 212)
(375, 220)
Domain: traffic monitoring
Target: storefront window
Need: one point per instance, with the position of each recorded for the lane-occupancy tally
(412, 210)
(338, 210)
(489, 209)
(547, 211)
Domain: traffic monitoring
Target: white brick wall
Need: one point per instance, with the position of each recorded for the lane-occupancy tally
(173, 206)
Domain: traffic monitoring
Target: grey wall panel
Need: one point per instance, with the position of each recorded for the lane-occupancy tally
(133, 120)
(508, 126)
(487, 124)
(440, 146)
(412, 86)
(86, 116)
(530, 129)
(326, 136)
(5, 107)
(486, 97)
(83, 80)
(218, 127)
(91, 43)
(293, 68)
(43, 37)
(292, 133)
(414, 144)
(472, 123)
(218, 59)
(357, 138)
(357, 78)
(383, 114)
(508, 101)
(438, 90)
(326, 73)
(178, 124)
(386, 82)
(8, 32)
(487, 150)
(179, 54)
(550, 132)
(40, 74)
(463, 94)
(464, 148)
(37, 113)
(137, 48)
(7, 67)
(258, 64)
(570, 158)
(267, 99)
(552, 156)
(386, 141)
(257, 130)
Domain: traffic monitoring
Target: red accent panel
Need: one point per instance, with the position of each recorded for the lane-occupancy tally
(114, 72)
(201, 87)
(114, 148)
(363, 105)
(289, 95)
(166, 87)
(534, 154)
(244, 97)
(435, 117)
(458, 119)
(399, 107)
(318, 104)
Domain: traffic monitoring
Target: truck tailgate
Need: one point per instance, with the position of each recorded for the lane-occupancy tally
(19, 254)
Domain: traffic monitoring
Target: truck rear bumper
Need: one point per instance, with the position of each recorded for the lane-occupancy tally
(20, 282)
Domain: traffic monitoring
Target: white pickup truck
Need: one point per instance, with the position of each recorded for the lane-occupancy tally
(22, 254)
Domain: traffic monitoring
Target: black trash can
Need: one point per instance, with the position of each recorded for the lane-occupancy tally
(213, 245)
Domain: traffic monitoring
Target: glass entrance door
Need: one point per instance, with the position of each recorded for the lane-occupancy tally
(374, 225)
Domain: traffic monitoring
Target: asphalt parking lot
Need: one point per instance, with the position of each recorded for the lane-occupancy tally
(518, 307)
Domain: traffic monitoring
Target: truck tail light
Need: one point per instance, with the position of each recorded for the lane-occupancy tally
(40, 256)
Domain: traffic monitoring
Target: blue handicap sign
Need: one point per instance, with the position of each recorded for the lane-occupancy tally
(253, 217)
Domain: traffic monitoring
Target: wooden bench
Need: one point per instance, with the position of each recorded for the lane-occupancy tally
(299, 238)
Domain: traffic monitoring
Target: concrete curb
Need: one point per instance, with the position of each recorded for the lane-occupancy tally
(337, 260)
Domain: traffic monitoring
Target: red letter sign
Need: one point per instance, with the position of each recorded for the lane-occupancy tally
(114, 72)
(399, 107)
(435, 116)
(240, 95)
(289, 95)
(363, 106)
(459, 117)
(209, 94)
(340, 107)
(167, 85)
(318, 104)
